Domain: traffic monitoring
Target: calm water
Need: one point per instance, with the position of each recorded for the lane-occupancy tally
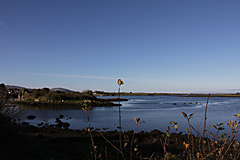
(156, 111)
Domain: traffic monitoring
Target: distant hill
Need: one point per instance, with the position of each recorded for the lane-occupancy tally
(13, 86)
(60, 89)
(52, 89)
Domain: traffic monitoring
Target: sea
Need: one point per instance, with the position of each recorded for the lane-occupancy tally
(156, 112)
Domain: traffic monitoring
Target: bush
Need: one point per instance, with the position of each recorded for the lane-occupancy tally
(3, 95)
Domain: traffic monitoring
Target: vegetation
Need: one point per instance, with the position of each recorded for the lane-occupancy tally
(3, 95)
(46, 98)
(186, 147)
(45, 94)
(28, 142)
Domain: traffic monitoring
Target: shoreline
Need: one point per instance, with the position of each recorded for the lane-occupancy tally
(29, 142)
(172, 94)
(72, 104)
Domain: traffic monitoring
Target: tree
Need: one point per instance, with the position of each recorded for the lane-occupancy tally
(45, 90)
(88, 92)
(3, 95)
(2, 88)
(21, 93)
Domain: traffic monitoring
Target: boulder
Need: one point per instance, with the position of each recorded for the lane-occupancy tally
(65, 125)
(31, 117)
(61, 116)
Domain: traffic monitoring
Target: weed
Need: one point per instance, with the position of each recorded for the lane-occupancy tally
(120, 82)
(203, 146)
(216, 147)
(85, 109)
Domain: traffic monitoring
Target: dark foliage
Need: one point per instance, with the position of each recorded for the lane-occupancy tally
(3, 95)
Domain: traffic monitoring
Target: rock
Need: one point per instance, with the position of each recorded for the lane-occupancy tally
(65, 125)
(31, 117)
(58, 120)
(97, 129)
(51, 126)
(25, 123)
(40, 124)
(59, 125)
(105, 129)
(61, 116)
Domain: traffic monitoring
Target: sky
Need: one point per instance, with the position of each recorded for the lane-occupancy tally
(153, 46)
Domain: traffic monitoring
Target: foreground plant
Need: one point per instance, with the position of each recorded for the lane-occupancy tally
(219, 146)
(166, 138)
(224, 147)
(120, 82)
(124, 153)
(204, 146)
(137, 121)
(85, 109)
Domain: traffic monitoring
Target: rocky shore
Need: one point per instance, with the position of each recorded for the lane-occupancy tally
(58, 142)
(40, 143)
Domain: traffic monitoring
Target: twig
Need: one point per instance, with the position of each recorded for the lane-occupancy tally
(120, 82)
(151, 156)
(110, 143)
(89, 130)
(235, 136)
(120, 125)
(131, 149)
(204, 129)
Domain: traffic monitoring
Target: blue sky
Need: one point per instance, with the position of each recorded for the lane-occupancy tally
(153, 46)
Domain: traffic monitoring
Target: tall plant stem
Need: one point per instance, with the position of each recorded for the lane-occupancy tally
(89, 130)
(204, 129)
(205, 116)
(120, 125)
(110, 143)
(131, 149)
